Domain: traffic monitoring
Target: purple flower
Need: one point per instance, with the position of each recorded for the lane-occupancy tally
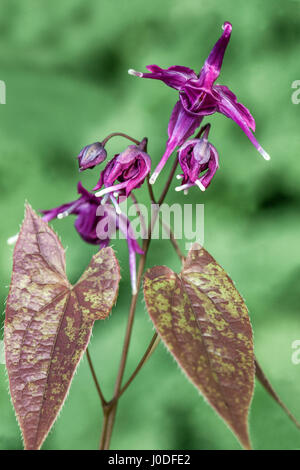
(91, 155)
(199, 97)
(85, 208)
(195, 157)
(129, 168)
(90, 212)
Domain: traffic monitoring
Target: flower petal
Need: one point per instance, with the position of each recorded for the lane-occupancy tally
(53, 213)
(213, 165)
(175, 76)
(86, 224)
(229, 108)
(130, 168)
(247, 116)
(181, 127)
(133, 247)
(212, 66)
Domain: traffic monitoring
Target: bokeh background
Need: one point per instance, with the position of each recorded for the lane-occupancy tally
(65, 67)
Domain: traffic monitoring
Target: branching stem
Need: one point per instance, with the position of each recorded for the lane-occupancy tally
(119, 134)
(149, 351)
(111, 413)
(101, 396)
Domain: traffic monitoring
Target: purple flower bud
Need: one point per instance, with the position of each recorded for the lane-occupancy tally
(199, 97)
(128, 168)
(197, 156)
(91, 155)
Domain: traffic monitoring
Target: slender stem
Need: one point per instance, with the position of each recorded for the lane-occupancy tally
(166, 227)
(104, 428)
(105, 443)
(119, 134)
(155, 339)
(112, 414)
(170, 232)
(149, 351)
(169, 180)
(101, 396)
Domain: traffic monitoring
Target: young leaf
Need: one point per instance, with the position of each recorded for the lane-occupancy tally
(49, 322)
(204, 323)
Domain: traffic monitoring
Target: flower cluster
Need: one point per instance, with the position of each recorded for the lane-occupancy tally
(96, 223)
(199, 96)
(98, 217)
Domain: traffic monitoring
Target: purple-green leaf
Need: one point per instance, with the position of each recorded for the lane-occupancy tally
(204, 323)
(49, 322)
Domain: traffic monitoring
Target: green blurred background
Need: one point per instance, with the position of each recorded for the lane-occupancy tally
(65, 67)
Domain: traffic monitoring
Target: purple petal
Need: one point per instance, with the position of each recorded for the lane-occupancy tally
(84, 208)
(181, 127)
(247, 116)
(126, 228)
(175, 76)
(130, 168)
(197, 101)
(134, 183)
(86, 224)
(84, 192)
(53, 213)
(228, 107)
(104, 174)
(185, 159)
(133, 247)
(212, 66)
(183, 154)
(213, 165)
(132, 268)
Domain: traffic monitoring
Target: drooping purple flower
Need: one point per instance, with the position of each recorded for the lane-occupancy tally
(85, 208)
(197, 156)
(91, 155)
(128, 168)
(88, 217)
(199, 97)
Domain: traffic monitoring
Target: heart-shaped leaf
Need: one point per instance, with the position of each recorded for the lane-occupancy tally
(204, 323)
(49, 322)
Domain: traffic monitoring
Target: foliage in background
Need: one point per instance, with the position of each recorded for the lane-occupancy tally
(65, 66)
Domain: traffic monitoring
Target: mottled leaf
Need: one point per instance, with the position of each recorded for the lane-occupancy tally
(49, 322)
(204, 323)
